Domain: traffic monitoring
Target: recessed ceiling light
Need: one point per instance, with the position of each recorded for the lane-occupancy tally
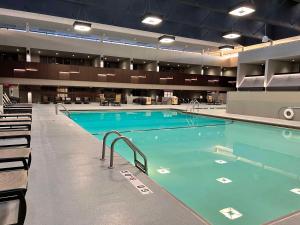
(56, 53)
(293, 60)
(39, 52)
(118, 59)
(18, 50)
(231, 35)
(73, 55)
(226, 47)
(242, 10)
(144, 61)
(151, 19)
(82, 26)
(166, 39)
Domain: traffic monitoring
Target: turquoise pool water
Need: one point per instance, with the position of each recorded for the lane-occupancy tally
(257, 166)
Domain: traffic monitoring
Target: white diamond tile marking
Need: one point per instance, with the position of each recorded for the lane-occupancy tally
(296, 191)
(231, 213)
(220, 161)
(224, 180)
(163, 170)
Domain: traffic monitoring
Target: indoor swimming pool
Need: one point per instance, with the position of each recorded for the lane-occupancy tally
(229, 172)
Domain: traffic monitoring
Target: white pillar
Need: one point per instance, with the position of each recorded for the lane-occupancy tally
(131, 64)
(28, 55)
(101, 61)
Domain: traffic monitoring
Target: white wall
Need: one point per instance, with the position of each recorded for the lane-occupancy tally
(40, 41)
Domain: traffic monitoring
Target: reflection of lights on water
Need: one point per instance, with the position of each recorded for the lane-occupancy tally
(199, 134)
(163, 170)
(130, 139)
(156, 137)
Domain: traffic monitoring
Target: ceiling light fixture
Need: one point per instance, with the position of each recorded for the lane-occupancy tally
(231, 35)
(242, 10)
(226, 47)
(150, 19)
(166, 39)
(82, 26)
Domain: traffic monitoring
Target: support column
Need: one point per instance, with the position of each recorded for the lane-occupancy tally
(101, 61)
(97, 61)
(28, 55)
(131, 64)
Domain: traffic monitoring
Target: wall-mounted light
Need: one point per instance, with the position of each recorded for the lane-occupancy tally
(231, 35)
(19, 70)
(166, 39)
(213, 81)
(32, 69)
(242, 9)
(106, 74)
(151, 19)
(166, 78)
(82, 26)
(226, 47)
(139, 77)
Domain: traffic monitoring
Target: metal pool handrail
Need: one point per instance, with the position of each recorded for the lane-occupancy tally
(104, 141)
(135, 149)
(59, 104)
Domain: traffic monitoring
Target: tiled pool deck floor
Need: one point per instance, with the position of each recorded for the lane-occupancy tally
(69, 185)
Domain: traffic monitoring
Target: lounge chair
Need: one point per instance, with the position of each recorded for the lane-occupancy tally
(17, 115)
(103, 100)
(45, 100)
(57, 100)
(13, 187)
(15, 125)
(8, 155)
(117, 101)
(86, 100)
(68, 100)
(14, 119)
(16, 135)
(78, 100)
(16, 110)
(8, 103)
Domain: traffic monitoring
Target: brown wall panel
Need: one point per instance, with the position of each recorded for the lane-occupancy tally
(86, 73)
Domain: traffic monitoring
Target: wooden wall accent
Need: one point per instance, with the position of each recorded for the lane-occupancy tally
(86, 73)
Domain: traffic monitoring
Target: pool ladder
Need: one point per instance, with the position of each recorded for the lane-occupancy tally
(59, 104)
(192, 105)
(133, 147)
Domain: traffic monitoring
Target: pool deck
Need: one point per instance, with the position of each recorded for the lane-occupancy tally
(69, 185)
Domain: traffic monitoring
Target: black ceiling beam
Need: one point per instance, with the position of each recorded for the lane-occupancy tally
(252, 17)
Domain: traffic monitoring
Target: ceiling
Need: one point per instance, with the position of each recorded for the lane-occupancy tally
(196, 19)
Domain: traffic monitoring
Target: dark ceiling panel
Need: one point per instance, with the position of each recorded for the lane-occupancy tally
(200, 19)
